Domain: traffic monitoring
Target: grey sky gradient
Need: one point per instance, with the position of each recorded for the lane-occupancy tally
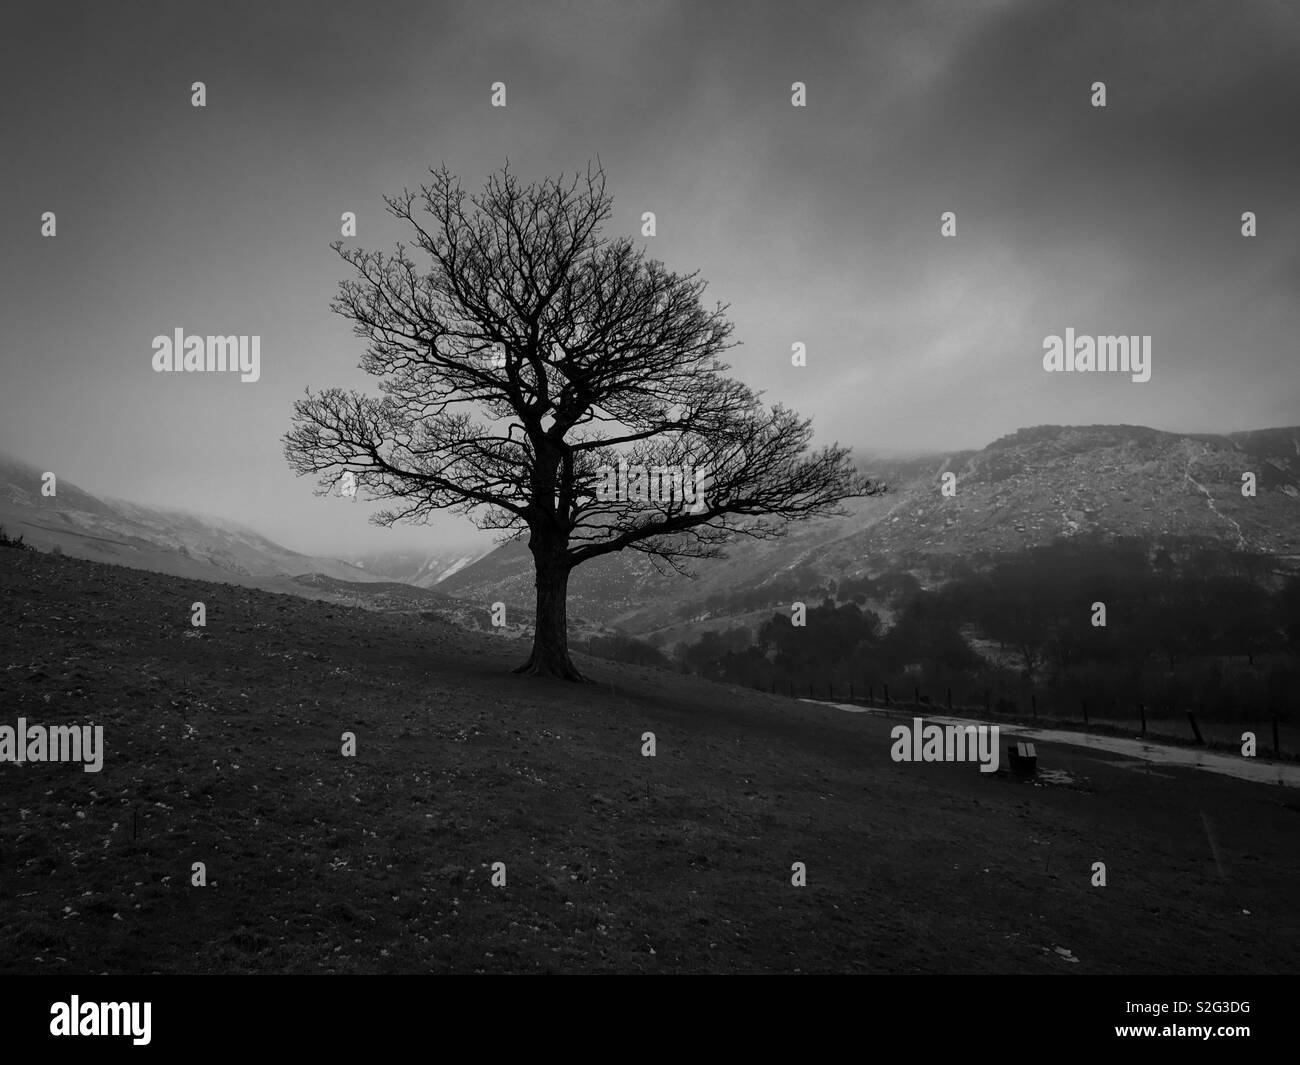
(818, 224)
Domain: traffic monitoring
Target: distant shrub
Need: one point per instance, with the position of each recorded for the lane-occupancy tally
(625, 649)
(9, 541)
(57, 549)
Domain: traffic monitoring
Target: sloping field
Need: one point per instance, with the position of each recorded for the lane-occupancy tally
(222, 746)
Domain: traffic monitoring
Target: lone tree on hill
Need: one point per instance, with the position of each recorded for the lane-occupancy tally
(523, 362)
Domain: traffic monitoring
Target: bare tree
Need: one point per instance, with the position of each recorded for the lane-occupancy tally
(523, 362)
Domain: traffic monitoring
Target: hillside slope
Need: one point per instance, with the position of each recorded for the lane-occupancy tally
(424, 569)
(223, 746)
(160, 539)
(1023, 490)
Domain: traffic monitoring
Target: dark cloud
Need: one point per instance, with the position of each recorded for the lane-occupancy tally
(817, 224)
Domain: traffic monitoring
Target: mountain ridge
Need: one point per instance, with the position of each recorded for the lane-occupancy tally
(169, 540)
(1024, 489)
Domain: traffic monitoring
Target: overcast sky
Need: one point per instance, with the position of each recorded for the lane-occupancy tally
(817, 224)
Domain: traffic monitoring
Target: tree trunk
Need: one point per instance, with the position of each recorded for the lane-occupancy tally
(550, 657)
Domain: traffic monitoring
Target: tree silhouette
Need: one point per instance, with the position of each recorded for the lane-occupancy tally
(523, 361)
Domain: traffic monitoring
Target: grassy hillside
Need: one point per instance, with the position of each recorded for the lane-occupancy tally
(159, 539)
(222, 746)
